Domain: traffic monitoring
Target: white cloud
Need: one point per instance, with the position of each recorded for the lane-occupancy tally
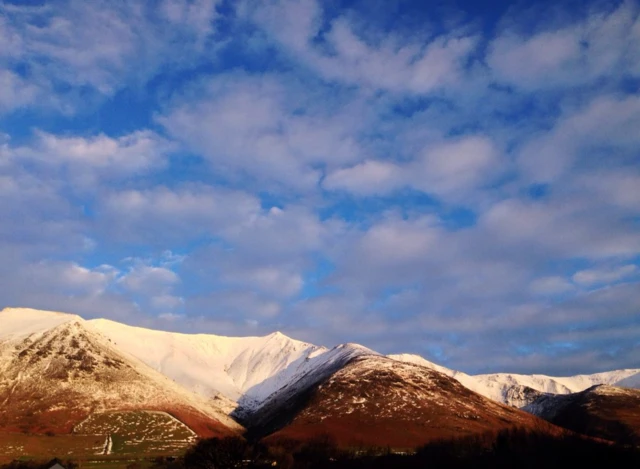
(391, 63)
(606, 122)
(565, 227)
(393, 66)
(15, 91)
(352, 108)
(272, 280)
(72, 163)
(367, 178)
(529, 61)
(450, 169)
(453, 169)
(127, 155)
(618, 187)
(171, 317)
(184, 213)
(257, 126)
(145, 279)
(551, 285)
(94, 44)
(167, 302)
(604, 276)
(236, 307)
(70, 278)
(603, 44)
(268, 253)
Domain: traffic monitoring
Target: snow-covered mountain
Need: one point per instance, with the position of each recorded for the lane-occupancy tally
(56, 370)
(519, 390)
(210, 380)
(377, 401)
(245, 370)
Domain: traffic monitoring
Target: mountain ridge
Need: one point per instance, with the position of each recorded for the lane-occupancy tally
(55, 371)
(518, 390)
(255, 379)
(601, 411)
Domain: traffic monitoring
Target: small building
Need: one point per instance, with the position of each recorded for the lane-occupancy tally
(55, 465)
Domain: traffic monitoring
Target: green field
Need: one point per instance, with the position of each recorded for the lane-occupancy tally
(20, 445)
(138, 432)
(106, 440)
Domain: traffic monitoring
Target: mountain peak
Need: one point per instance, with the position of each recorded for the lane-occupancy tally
(277, 334)
(35, 312)
(608, 390)
(21, 322)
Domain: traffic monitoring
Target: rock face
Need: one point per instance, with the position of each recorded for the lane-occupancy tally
(602, 411)
(53, 378)
(374, 400)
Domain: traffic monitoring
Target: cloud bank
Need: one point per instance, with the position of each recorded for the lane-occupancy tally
(461, 185)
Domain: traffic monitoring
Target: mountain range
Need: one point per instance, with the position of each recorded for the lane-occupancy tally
(57, 370)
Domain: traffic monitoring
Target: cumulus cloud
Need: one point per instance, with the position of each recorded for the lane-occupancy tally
(604, 276)
(429, 190)
(15, 92)
(89, 161)
(265, 128)
(367, 178)
(75, 44)
(604, 129)
(185, 213)
(451, 170)
(551, 285)
(420, 66)
(603, 44)
(142, 278)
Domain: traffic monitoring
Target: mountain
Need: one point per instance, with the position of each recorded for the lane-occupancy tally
(56, 371)
(519, 390)
(632, 381)
(602, 411)
(244, 370)
(378, 401)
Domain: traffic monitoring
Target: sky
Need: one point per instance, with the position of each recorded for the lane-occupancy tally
(451, 179)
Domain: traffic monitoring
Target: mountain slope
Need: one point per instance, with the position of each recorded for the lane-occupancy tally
(374, 400)
(279, 408)
(246, 370)
(55, 371)
(601, 411)
(632, 381)
(56, 368)
(519, 390)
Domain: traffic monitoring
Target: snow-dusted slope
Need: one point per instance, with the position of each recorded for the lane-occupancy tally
(377, 401)
(246, 370)
(498, 382)
(519, 390)
(18, 323)
(632, 381)
(55, 371)
(602, 411)
(250, 372)
(468, 381)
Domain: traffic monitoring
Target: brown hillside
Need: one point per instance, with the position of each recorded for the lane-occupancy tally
(606, 412)
(377, 401)
(52, 380)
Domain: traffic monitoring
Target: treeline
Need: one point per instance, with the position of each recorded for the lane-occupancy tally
(39, 464)
(514, 448)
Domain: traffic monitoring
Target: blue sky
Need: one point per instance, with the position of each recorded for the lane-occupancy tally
(441, 178)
